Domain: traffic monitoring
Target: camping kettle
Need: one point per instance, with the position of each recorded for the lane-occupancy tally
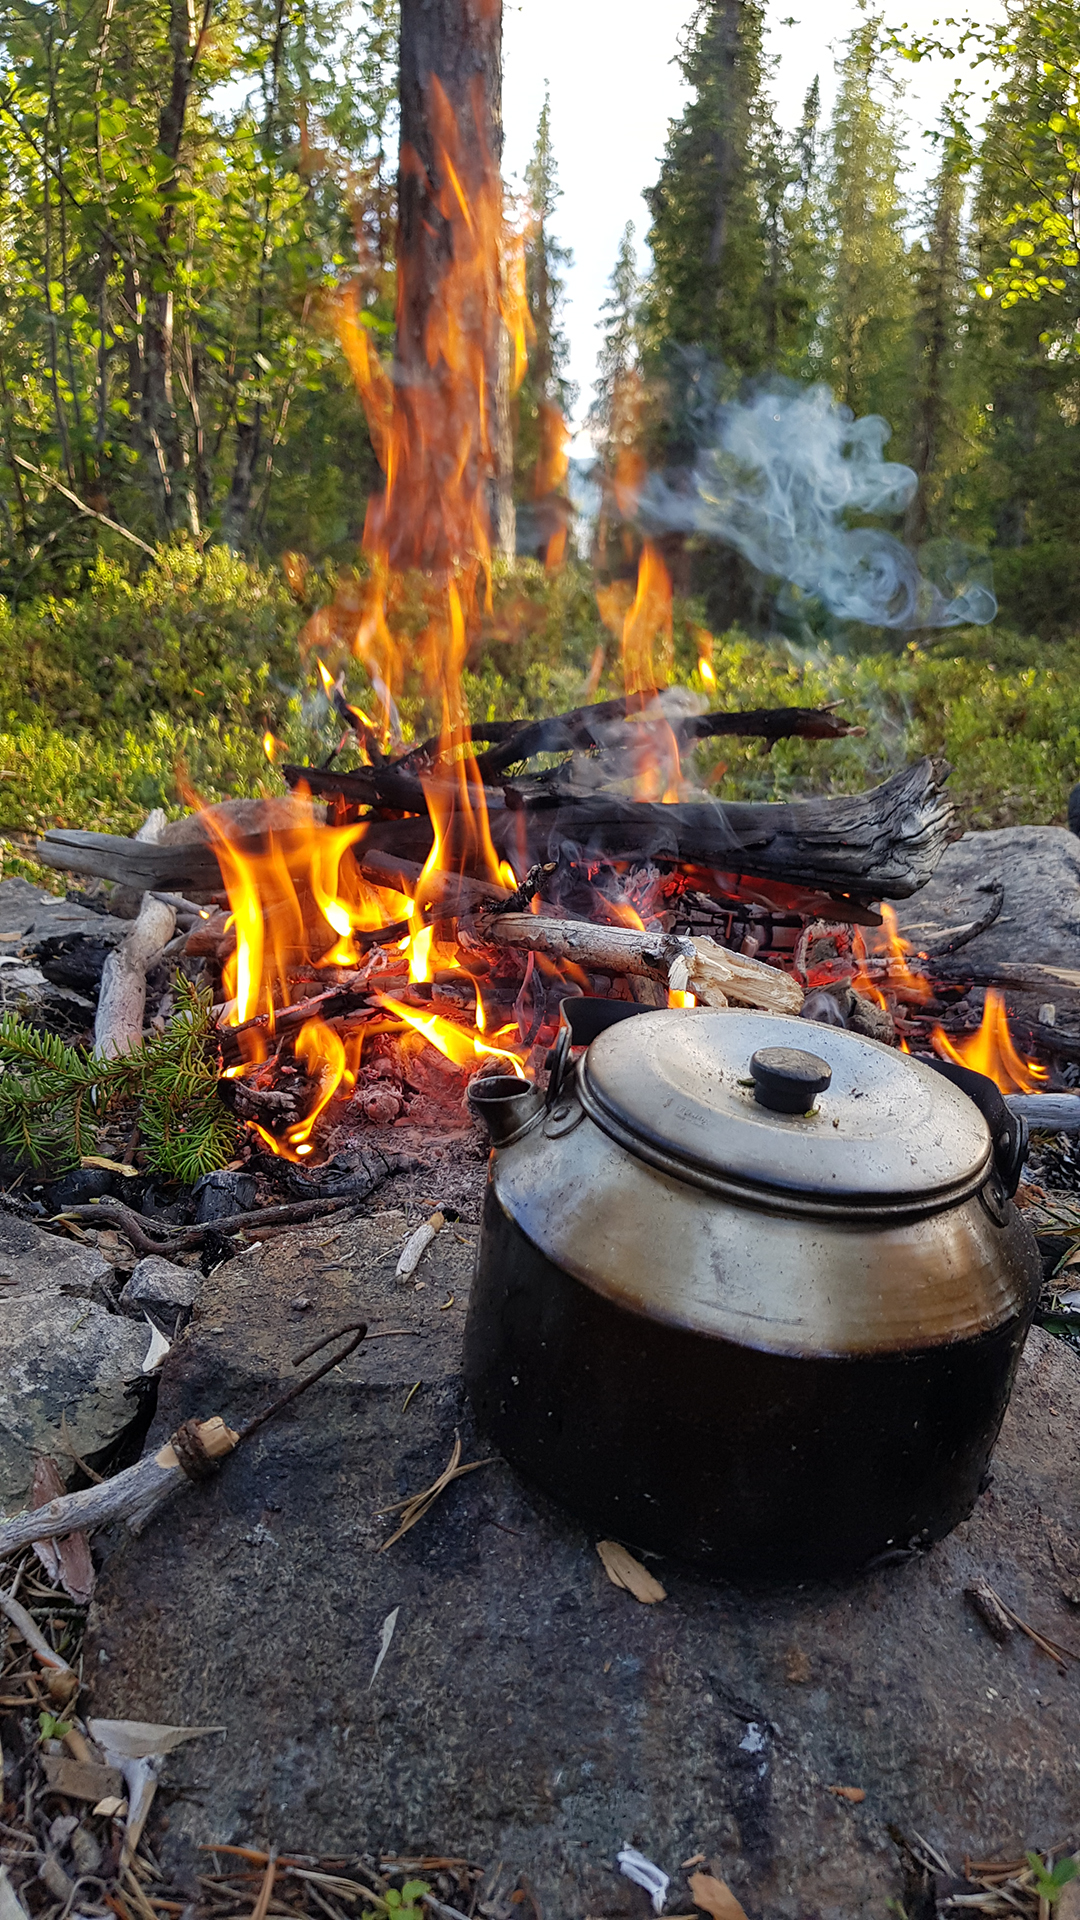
(748, 1294)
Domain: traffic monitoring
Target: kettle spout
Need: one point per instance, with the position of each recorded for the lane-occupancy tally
(506, 1105)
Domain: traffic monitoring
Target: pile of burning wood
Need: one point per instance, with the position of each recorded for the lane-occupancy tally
(385, 932)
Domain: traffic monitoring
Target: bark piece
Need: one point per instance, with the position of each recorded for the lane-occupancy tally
(715, 1897)
(624, 1571)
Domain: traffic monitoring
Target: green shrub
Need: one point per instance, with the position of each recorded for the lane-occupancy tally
(111, 703)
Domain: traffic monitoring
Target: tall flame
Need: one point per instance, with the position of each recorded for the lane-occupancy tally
(435, 420)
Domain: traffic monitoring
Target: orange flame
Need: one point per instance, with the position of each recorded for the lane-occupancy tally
(705, 643)
(647, 623)
(434, 431)
(463, 1048)
(992, 1051)
(915, 985)
(434, 427)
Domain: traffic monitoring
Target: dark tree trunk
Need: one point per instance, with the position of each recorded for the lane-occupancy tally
(451, 78)
(186, 33)
(934, 344)
(725, 38)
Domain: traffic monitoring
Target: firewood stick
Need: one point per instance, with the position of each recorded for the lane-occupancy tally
(697, 965)
(118, 1023)
(132, 1496)
(121, 1008)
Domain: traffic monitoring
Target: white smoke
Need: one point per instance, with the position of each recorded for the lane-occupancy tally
(779, 476)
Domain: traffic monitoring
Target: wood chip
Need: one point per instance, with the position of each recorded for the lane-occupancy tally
(416, 1246)
(66, 1559)
(82, 1779)
(715, 1897)
(856, 1795)
(986, 1604)
(626, 1572)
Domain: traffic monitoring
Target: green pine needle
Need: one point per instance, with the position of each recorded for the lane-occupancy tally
(53, 1097)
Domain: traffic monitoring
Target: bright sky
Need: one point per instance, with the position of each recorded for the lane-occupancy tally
(614, 90)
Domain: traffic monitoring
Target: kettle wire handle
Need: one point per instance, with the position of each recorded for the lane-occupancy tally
(560, 1062)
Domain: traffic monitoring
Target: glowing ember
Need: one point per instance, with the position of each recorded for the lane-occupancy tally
(992, 1051)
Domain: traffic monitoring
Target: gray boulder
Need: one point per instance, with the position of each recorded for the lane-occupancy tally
(66, 1364)
(1039, 922)
(65, 1360)
(33, 1262)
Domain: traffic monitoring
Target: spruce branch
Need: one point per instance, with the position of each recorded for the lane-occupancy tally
(53, 1097)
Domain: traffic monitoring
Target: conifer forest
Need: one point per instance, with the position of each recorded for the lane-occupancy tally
(200, 215)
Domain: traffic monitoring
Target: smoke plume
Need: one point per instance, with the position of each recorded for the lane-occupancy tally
(777, 477)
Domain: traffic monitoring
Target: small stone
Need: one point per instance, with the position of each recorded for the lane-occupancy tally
(160, 1283)
(301, 1304)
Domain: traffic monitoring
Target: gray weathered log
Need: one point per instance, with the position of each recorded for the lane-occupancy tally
(884, 843)
(1050, 1112)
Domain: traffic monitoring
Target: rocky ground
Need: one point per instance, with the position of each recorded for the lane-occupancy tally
(527, 1716)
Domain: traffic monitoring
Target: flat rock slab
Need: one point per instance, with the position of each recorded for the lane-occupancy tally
(527, 1711)
(1039, 868)
(35, 915)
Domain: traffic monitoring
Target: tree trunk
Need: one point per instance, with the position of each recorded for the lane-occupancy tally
(451, 110)
(186, 34)
(725, 39)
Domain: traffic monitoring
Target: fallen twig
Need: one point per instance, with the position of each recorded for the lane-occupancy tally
(115, 1214)
(996, 1615)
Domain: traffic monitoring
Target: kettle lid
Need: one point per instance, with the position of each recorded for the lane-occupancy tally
(784, 1107)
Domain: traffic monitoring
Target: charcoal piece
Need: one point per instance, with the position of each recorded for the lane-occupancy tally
(74, 960)
(169, 1202)
(81, 1185)
(218, 1195)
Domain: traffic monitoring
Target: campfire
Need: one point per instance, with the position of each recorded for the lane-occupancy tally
(420, 908)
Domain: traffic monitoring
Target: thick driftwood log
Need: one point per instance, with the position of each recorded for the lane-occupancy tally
(884, 843)
(697, 965)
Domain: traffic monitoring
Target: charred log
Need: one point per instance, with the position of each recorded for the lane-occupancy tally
(884, 843)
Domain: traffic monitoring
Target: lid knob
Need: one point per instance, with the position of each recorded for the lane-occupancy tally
(788, 1080)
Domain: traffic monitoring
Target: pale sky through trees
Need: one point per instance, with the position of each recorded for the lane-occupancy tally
(613, 91)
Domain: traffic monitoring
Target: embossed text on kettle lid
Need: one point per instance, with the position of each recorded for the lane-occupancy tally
(885, 1129)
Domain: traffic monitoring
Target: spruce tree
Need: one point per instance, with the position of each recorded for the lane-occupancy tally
(936, 426)
(867, 309)
(1025, 495)
(708, 235)
(613, 413)
(546, 396)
